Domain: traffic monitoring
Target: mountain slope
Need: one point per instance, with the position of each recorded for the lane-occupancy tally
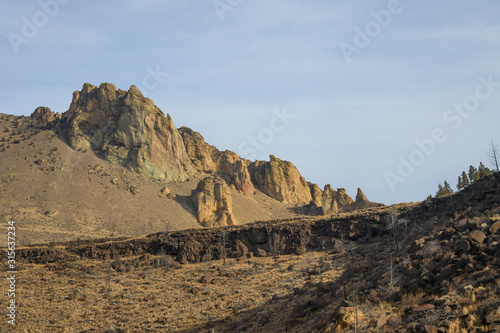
(428, 267)
(115, 165)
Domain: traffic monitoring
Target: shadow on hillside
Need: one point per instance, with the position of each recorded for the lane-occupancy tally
(312, 307)
(186, 203)
(316, 305)
(307, 210)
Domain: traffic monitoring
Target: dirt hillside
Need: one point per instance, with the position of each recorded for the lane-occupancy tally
(428, 267)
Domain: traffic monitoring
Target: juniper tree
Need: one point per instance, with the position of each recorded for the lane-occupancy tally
(444, 189)
(447, 188)
(482, 170)
(465, 180)
(440, 191)
(473, 174)
(476, 177)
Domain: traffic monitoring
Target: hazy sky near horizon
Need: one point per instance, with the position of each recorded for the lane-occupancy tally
(390, 96)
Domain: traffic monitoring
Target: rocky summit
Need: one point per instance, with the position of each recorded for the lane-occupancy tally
(124, 127)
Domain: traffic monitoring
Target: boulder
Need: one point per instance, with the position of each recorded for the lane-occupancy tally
(478, 236)
(495, 228)
(165, 191)
(259, 252)
(241, 249)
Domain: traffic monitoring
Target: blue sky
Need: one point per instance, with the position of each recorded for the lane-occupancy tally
(233, 65)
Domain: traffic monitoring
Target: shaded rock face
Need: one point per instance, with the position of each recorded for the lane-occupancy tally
(43, 115)
(282, 181)
(316, 194)
(125, 128)
(213, 203)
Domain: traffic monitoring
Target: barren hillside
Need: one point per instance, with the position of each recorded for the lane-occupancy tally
(428, 267)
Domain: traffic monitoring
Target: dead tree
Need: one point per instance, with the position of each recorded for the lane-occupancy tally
(494, 155)
(392, 225)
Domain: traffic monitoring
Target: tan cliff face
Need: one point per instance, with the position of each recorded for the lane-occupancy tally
(329, 201)
(237, 170)
(125, 128)
(203, 156)
(281, 180)
(360, 196)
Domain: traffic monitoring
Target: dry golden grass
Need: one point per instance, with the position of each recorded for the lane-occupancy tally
(89, 294)
(413, 299)
(455, 326)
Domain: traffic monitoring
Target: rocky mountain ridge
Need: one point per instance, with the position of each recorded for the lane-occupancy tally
(126, 128)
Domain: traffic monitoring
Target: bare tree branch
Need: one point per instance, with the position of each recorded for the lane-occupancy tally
(494, 155)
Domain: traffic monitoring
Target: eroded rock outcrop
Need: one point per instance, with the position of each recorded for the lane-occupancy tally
(361, 197)
(281, 180)
(125, 128)
(213, 203)
(335, 201)
(316, 194)
(44, 116)
(330, 204)
(361, 202)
